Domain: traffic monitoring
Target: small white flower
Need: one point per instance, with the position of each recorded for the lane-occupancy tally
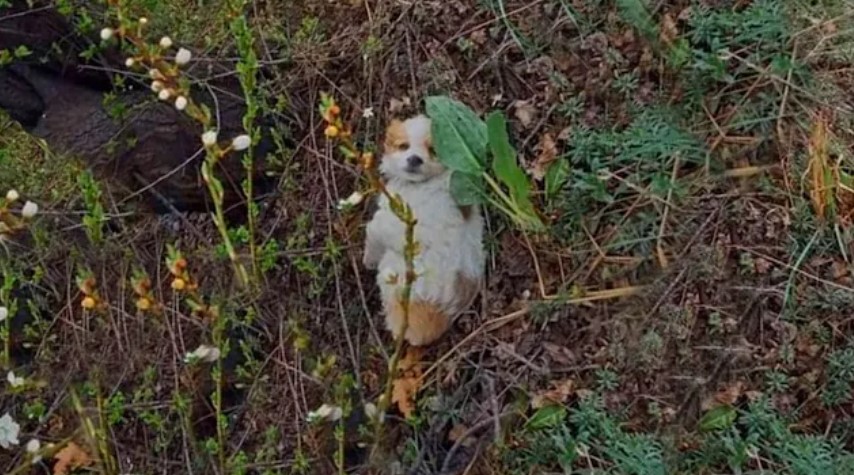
(107, 33)
(165, 42)
(326, 412)
(15, 381)
(209, 138)
(205, 353)
(181, 103)
(130, 62)
(154, 73)
(9, 430)
(32, 448)
(368, 113)
(241, 142)
(29, 210)
(351, 200)
(183, 56)
(143, 21)
(156, 86)
(12, 195)
(4, 313)
(164, 94)
(372, 412)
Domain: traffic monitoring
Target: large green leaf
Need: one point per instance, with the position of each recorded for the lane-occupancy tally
(459, 135)
(719, 418)
(504, 163)
(467, 189)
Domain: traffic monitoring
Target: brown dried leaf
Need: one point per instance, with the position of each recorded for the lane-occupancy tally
(548, 154)
(669, 31)
(560, 354)
(559, 395)
(71, 457)
(405, 387)
(458, 432)
(729, 394)
(403, 394)
(525, 112)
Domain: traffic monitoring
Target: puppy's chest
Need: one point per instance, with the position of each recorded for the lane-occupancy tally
(439, 220)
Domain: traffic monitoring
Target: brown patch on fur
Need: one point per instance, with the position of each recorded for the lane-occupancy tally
(427, 322)
(395, 136)
(467, 288)
(466, 212)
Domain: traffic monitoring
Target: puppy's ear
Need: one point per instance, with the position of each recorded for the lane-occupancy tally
(394, 133)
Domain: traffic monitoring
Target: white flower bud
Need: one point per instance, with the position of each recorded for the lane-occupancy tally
(107, 33)
(165, 42)
(153, 73)
(241, 142)
(164, 94)
(32, 448)
(12, 196)
(15, 381)
(4, 313)
(29, 210)
(326, 412)
(209, 138)
(181, 103)
(183, 56)
(205, 353)
(130, 62)
(143, 21)
(156, 86)
(351, 200)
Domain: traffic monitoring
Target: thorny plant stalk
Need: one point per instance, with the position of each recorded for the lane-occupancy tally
(337, 129)
(169, 84)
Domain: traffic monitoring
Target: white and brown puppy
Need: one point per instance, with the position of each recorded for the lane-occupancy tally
(450, 261)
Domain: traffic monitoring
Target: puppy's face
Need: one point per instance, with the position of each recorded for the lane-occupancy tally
(409, 151)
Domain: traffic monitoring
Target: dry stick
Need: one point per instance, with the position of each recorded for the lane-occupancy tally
(505, 319)
(662, 258)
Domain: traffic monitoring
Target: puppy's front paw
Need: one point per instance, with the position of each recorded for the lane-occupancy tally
(370, 260)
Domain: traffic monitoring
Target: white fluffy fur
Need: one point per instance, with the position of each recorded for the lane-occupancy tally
(450, 244)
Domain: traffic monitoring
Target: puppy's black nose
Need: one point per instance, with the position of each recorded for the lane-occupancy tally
(414, 161)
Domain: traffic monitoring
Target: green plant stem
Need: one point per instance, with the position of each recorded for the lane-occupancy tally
(409, 252)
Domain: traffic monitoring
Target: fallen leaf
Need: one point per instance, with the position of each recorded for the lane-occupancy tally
(545, 417)
(457, 433)
(560, 354)
(718, 418)
(403, 394)
(525, 112)
(547, 155)
(406, 385)
(71, 457)
(561, 392)
(730, 393)
(669, 32)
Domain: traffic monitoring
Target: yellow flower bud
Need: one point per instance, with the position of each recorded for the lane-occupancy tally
(331, 131)
(88, 303)
(179, 284)
(143, 304)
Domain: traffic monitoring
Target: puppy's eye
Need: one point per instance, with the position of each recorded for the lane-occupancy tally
(431, 150)
(403, 146)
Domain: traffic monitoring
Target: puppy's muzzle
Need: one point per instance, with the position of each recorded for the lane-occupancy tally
(413, 163)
